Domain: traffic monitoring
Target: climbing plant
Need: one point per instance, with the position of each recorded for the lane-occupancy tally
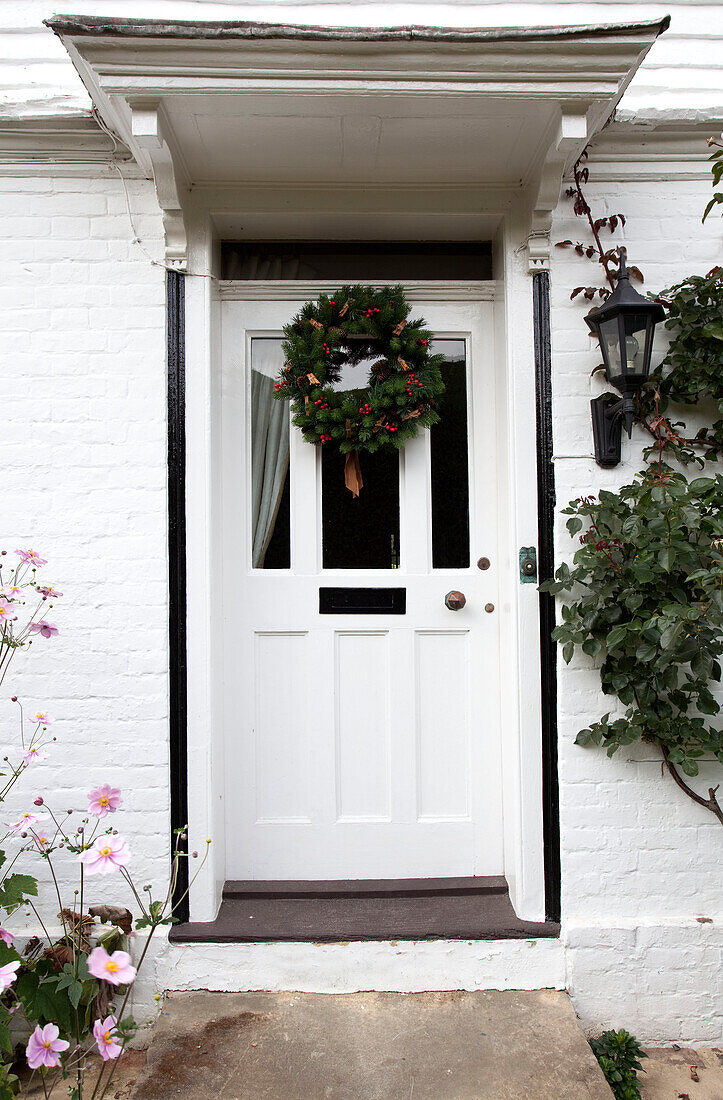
(644, 594)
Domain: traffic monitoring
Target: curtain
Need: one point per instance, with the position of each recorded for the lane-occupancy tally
(269, 444)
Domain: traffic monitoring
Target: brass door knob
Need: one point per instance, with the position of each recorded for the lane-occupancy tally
(455, 601)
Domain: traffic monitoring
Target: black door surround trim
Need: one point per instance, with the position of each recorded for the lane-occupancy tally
(175, 334)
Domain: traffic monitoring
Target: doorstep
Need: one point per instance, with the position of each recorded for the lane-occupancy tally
(370, 1046)
(349, 910)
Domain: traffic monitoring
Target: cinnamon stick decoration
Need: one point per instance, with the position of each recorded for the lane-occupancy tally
(316, 324)
(403, 365)
(352, 473)
(313, 379)
(400, 328)
(344, 309)
(306, 405)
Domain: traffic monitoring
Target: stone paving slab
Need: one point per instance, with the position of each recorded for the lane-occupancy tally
(681, 1073)
(486, 1045)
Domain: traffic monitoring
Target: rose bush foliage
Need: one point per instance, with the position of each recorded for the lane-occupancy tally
(646, 589)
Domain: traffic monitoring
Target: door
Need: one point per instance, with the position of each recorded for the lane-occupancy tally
(359, 743)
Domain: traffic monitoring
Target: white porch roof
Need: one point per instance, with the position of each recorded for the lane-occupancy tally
(221, 106)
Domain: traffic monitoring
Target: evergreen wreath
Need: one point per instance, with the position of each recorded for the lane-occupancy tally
(405, 382)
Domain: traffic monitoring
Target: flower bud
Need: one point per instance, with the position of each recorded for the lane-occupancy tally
(14, 699)
(38, 801)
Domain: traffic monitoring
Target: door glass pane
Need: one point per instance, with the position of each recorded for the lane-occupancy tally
(361, 532)
(449, 462)
(270, 505)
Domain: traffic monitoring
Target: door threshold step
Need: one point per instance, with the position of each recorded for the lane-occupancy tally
(346, 910)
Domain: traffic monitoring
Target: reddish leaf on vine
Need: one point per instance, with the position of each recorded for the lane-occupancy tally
(636, 273)
(589, 293)
(563, 244)
(613, 223)
(576, 291)
(580, 250)
(599, 223)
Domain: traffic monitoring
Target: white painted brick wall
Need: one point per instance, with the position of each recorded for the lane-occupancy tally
(82, 313)
(640, 861)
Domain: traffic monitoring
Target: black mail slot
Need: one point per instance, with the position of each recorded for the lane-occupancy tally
(362, 601)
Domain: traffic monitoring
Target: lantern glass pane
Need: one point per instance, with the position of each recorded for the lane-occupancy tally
(610, 345)
(636, 325)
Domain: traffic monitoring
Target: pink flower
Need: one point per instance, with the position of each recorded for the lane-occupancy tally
(6, 937)
(106, 856)
(115, 969)
(26, 821)
(8, 610)
(31, 557)
(48, 630)
(104, 800)
(41, 838)
(7, 974)
(48, 592)
(104, 1032)
(44, 1047)
(41, 718)
(35, 752)
(12, 591)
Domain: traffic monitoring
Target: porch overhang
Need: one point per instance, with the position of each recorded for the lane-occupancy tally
(500, 113)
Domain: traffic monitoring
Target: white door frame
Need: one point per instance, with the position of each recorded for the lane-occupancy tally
(519, 622)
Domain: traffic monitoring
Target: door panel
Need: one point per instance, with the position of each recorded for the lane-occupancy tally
(359, 746)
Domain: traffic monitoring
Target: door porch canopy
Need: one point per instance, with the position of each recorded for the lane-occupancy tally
(231, 108)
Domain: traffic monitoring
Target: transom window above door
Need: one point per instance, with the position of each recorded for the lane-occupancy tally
(363, 532)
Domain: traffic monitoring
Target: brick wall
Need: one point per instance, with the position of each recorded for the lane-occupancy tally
(640, 861)
(82, 316)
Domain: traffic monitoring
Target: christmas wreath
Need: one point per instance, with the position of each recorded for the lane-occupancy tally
(355, 324)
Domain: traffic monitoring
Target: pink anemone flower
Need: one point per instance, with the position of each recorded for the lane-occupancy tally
(48, 630)
(7, 974)
(12, 591)
(42, 841)
(8, 610)
(106, 856)
(48, 592)
(115, 969)
(44, 1047)
(104, 800)
(106, 1039)
(35, 752)
(31, 557)
(41, 718)
(6, 937)
(26, 821)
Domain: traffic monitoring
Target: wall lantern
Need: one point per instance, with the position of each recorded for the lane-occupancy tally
(625, 326)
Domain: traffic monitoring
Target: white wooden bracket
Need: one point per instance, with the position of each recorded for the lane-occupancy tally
(569, 139)
(150, 133)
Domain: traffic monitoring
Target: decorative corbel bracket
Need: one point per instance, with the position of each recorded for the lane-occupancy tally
(568, 141)
(150, 136)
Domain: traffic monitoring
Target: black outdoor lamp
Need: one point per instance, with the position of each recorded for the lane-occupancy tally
(625, 326)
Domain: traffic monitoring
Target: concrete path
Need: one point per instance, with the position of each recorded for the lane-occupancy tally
(370, 1046)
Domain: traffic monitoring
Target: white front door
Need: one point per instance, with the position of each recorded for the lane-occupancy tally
(359, 745)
